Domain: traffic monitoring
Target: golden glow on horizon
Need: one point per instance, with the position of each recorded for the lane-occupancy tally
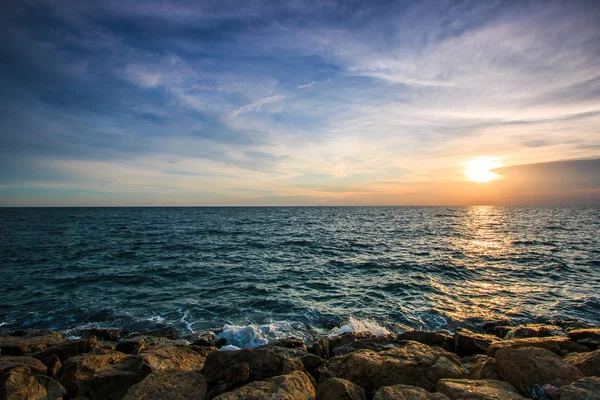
(478, 170)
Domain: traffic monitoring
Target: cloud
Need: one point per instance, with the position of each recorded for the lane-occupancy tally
(307, 85)
(259, 104)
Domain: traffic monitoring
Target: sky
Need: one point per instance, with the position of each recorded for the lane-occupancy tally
(297, 102)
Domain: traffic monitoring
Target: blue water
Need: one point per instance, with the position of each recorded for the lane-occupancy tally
(267, 272)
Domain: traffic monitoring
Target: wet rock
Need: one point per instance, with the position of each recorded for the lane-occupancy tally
(429, 338)
(289, 343)
(296, 385)
(498, 328)
(135, 344)
(106, 345)
(173, 357)
(77, 372)
(480, 366)
(320, 348)
(102, 334)
(467, 343)
(311, 362)
(406, 392)
(465, 389)
(589, 337)
(588, 363)
(583, 389)
(346, 338)
(551, 391)
(557, 345)
(35, 365)
(169, 385)
(538, 393)
(167, 333)
(22, 342)
(339, 389)
(64, 350)
(53, 364)
(535, 330)
(20, 383)
(206, 339)
(413, 364)
(525, 367)
(378, 343)
(113, 381)
(571, 324)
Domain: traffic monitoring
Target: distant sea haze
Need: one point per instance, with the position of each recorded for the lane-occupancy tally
(261, 273)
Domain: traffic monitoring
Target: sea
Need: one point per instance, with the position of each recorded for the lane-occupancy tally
(254, 274)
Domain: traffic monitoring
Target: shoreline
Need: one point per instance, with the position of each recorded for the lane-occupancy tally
(556, 360)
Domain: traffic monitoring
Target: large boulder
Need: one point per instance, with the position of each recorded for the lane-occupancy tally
(480, 366)
(339, 389)
(320, 348)
(112, 382)
(557, 345)
(173, 357)
(429, 338)
(22, 342)
(406, 392)
(498, 328)
(67, 349)
(103, 334)
(467, 343)
(311, 362)
(229, 369)
(35, 365)
(582, 389)
(525, 367)
(587, 363)
(136, 344)
(77, 372)
(169, 385)
(167, 333)
(20, 383)
(534, 330)
(289, 343)
(346, 338)
(296, 385)
(488, 389)
(376, 343)
(589, 337)
(412, 364)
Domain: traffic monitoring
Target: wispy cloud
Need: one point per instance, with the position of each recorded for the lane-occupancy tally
(259, 104)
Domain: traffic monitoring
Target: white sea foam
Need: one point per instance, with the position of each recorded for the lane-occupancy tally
(360, 325)
(255, 335)
(229, 348)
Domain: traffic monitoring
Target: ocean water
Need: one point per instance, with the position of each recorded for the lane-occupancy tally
(261, 273)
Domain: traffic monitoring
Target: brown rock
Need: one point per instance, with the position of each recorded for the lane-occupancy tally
(169, 385)
(112, 382)
(311, 362)
(534, 330)
(35, 365)
(135, 344)
(77, 372)
(263, 363)
(289, 343)
(588, 363)
(296, 385)
(480, 366)
(167, 333)
(20, 383)
(467, 343)
(53, 364)
(488, 389)
(525, 367)
(582, 389)
(498, 328)
(102, 334)
(406, 392)
(339, 389)
(413, 364)
(320, 348)
(589, 337)
(429, 338)
(64, 350)
(557, 345)
(22, 342)
(376, 343)
(346, 338)
(173, 357)
(206, 339)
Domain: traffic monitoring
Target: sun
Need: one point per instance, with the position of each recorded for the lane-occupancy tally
(478, 169)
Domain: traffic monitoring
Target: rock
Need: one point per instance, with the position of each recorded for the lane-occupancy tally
(64, 350)
(413, 364)
(169, 385)
(112, 382)
(296, 385)
(206, 339)
(339, 389)
(525, 367)
(320, 348)
(571, 324)
(173, 357)
(289, 343)
(583, 389)
(467, 343)
(22, 342)
(589, 337)
(488, 389)
(429, 338)
(538, 393)
(35, 365)
(222, 368)
(346, 338)
(53, 364)
(77, 372)
(557, 345)
(551, 391)
(376, 343)
(167, 333)
(480, 366)
(106, 345)
(587, 363)
(102, 334)
(498, 328)
(135, 344)
(534, 330)
(406, 392)
(20, 383)
(311, 362)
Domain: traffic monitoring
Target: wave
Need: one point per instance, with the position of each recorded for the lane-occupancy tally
(360, 325)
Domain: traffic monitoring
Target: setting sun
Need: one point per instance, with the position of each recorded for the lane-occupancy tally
(478, 170)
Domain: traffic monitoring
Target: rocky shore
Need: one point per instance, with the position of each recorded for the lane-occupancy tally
(556, 360)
